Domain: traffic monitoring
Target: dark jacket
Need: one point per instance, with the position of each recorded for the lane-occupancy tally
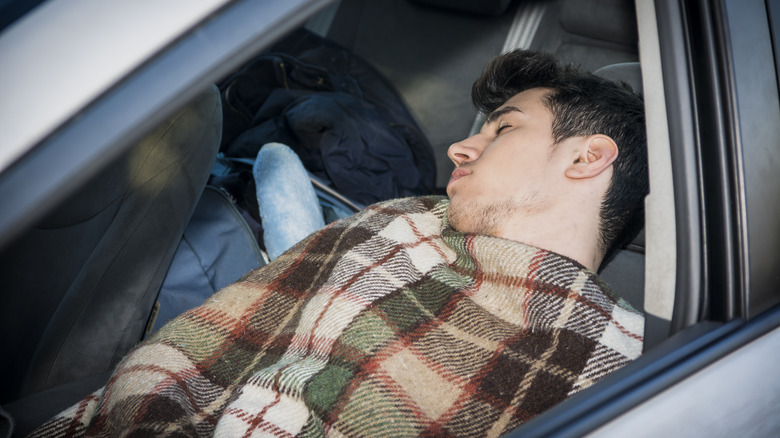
(347, 123)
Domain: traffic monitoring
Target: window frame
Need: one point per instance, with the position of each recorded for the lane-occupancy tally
(152, 91)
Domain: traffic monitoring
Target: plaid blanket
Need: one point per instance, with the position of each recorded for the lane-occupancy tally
(389, 323)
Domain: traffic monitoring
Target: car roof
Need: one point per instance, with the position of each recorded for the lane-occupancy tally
(91, 45)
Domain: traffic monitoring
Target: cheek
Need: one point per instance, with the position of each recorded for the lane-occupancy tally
(510, 172)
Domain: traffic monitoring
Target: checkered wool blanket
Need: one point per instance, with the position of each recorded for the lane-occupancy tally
(388, 323)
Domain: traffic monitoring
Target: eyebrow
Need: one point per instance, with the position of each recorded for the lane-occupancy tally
(492, 117)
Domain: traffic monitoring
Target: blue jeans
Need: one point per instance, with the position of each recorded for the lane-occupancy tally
(288, 205)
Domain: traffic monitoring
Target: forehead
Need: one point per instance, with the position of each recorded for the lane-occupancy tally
(528, 103)
(532, 99)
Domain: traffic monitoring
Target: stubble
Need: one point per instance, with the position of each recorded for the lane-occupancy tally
(478, 218)
(490, 218)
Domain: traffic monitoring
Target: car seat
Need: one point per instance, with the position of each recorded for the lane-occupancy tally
(625, 272)
(589, 34)
(79, 286)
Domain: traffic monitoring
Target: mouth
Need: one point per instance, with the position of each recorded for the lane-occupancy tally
(458, 174)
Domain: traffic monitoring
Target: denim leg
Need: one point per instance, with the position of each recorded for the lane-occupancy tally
(288, 205)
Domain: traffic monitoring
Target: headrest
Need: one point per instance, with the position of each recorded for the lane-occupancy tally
(606, 20)
(628, 72)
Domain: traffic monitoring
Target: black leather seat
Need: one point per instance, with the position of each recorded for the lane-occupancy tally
(79, 286)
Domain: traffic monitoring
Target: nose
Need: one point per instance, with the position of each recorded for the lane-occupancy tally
(464, 151)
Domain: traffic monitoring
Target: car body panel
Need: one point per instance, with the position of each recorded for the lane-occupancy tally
(736, 395)
(79, 49)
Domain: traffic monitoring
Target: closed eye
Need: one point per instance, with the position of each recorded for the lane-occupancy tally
(498, 115)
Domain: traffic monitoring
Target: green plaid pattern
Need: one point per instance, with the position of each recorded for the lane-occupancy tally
(389, 323)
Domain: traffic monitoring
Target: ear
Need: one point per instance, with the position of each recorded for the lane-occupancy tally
(596, 154)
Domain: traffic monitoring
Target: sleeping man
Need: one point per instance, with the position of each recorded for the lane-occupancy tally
(463, 316)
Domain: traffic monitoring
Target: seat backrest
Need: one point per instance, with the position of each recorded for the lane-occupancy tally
(597, 33)
(78, 286)
(628, 72)
(625, 273)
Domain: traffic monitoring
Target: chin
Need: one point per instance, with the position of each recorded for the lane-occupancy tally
(471, 217)
(478, 217)
(455, 216)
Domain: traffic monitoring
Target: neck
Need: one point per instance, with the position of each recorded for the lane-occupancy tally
(564, 230)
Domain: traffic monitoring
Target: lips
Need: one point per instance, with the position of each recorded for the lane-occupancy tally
(457, 174)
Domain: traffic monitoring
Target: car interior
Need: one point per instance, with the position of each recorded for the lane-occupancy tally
(128, 232)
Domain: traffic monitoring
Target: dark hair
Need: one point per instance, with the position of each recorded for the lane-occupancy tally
(582, 104)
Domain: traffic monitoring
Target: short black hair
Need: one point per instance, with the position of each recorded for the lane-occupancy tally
(582, 104)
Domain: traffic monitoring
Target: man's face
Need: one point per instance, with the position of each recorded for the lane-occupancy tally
(509, 170)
